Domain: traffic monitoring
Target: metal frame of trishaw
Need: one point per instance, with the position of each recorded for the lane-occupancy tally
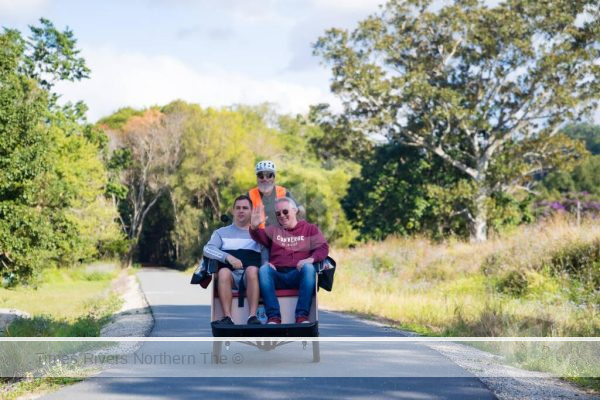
(288, 328)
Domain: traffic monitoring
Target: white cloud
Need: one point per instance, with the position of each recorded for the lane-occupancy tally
(344, 14)
(240, 11)
(22, 9)
(259, 12)
(348, 5)
(372, 6)
(138, 80)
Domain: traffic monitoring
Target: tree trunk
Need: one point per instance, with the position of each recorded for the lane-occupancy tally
(176, 236)
(479, 218)
(128, 261)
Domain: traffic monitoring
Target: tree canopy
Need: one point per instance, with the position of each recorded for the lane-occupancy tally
(51, 174)
(174, 202)
(485, 89)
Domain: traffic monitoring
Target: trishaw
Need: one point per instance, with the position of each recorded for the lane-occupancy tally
(287, 302)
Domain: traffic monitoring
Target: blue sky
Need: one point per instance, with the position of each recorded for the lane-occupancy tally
(211, 52)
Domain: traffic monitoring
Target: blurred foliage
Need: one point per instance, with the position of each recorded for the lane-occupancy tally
(586, 132)
(577, 190)
(337, 136)
(585, 177)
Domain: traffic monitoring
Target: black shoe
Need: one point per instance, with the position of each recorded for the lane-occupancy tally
(224, 321)
(253, 320)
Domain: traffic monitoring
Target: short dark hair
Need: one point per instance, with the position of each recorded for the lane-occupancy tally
(243, 197)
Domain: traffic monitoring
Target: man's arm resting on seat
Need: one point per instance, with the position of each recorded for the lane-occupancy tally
(213, 250)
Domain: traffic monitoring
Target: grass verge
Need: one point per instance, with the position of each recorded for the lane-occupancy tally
(12, 389)
(74, 302)
(541, 280)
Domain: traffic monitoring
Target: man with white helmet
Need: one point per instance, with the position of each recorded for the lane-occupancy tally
(266, 192)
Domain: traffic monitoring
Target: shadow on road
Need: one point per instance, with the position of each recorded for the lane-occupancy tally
(293, 388)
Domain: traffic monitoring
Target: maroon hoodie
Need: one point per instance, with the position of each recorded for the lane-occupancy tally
(287, 247)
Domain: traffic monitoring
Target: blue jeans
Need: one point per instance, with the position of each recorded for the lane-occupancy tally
(304, 280)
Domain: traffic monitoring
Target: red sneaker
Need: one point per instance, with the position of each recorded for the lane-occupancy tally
(302, 319)
(274, 320)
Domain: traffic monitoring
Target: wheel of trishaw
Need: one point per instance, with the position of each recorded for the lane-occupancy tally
(217, 349)
(316, 351)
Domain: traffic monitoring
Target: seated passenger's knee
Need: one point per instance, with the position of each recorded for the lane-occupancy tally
(308, 268)
(224, 273)
(265, 269)
(252, 272)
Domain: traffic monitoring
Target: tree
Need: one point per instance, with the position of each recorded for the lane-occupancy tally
(392, 194)
(73, 189)
(22, 159)
(336, 136)
(218, 151)
(485, 89)
(217, 165)
(148, 152)
(585, 177)
(588, 133)
(51, 177)
(52, 56)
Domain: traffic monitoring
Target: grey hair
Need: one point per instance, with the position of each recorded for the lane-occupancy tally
(288, 200)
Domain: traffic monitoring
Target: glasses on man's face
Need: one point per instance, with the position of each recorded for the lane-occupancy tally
(284, 212)
(268, 175)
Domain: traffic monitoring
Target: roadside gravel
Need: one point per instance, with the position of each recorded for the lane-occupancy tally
(134, 319)
(507, 382)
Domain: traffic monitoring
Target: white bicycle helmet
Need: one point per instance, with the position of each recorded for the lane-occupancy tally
(265, 166)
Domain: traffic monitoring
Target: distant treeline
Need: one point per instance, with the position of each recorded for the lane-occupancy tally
(176, 169)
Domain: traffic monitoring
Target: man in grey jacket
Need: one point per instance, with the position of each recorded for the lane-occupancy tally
(239, 258)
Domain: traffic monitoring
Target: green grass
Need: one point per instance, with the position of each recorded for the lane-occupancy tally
(592, 384)
(61, 294)
(63, 302)
(74, 302)
(12, 389)
(98, 314)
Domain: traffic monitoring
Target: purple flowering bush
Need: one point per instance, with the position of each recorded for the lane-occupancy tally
(589, 206)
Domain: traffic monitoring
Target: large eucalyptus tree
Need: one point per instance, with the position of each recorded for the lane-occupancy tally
(487, 89)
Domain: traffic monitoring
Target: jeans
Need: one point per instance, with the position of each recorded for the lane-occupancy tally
(304, 280)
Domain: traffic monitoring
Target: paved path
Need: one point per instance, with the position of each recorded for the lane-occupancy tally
(353, 370)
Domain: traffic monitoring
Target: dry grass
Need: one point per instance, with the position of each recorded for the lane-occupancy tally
(510, 285)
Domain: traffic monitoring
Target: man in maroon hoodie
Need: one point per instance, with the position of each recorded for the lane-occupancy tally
(294, 246)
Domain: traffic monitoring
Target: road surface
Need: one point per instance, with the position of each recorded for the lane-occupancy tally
(348, 370)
